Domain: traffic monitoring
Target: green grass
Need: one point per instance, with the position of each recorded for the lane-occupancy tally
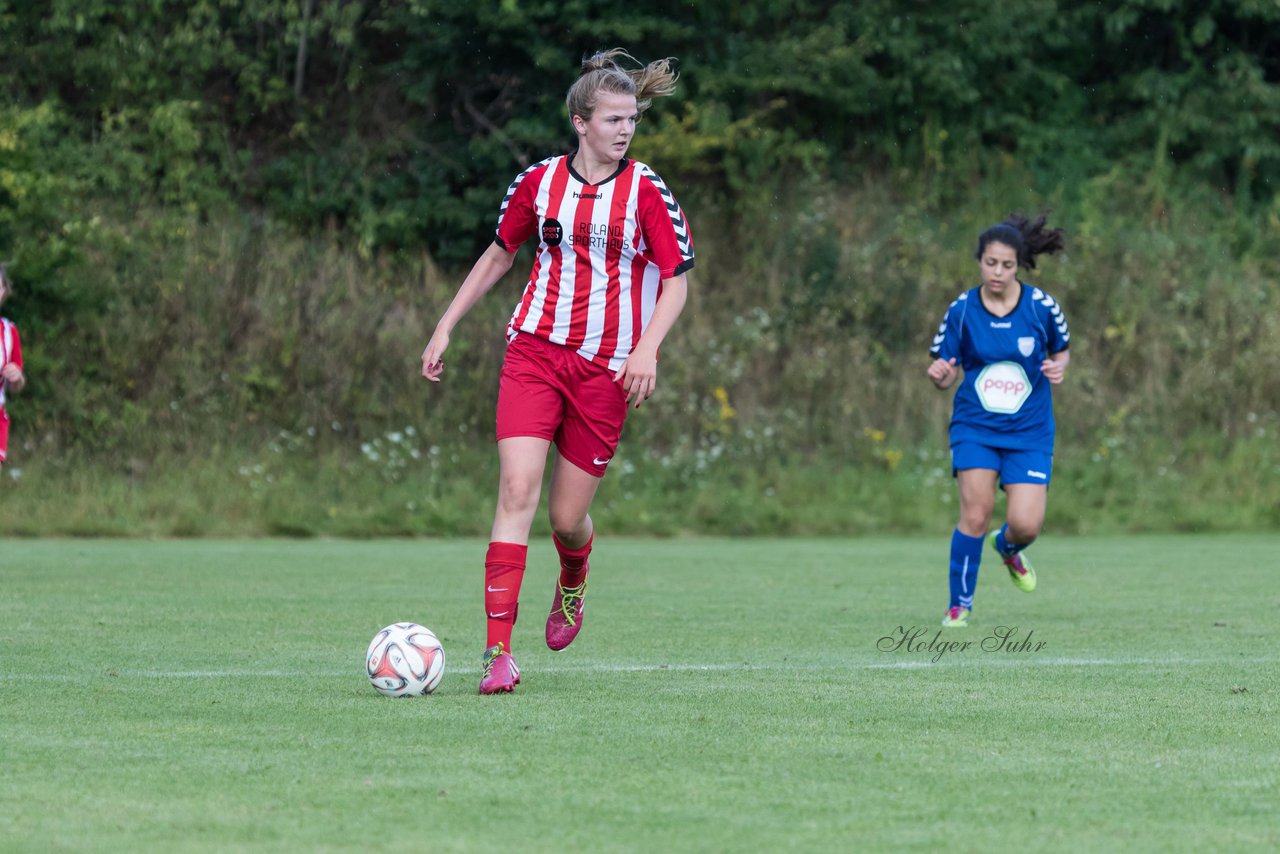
(292, 488)
(724, 695)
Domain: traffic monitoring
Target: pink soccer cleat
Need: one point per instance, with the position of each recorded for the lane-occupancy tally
(565, 619)
(500, 672)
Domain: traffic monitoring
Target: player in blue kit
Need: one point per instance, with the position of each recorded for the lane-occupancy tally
(1009, 339)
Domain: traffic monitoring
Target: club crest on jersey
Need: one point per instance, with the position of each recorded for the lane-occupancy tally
(1003, 387)
(1026, 346)
(552, 232)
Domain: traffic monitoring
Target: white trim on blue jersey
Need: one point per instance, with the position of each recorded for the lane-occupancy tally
(1016, 345)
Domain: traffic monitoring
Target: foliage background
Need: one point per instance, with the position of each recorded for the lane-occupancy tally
(232, 226)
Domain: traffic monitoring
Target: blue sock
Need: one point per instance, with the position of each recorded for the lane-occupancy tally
(1005, 547)
(966, 555)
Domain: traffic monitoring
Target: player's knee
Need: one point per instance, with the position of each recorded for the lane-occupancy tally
(976, 520)
(566, 525)
(1023, 530)
(518, 494)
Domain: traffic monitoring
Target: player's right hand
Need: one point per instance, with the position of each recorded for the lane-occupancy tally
(433, 356)
(943, 372)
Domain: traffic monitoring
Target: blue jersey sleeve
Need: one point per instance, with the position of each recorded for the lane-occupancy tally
(1057, 335)
(946, 343)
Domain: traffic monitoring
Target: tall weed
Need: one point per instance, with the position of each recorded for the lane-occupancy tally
(792, 394)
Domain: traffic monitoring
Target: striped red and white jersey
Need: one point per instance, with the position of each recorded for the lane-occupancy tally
(10, 351)
(603, 252)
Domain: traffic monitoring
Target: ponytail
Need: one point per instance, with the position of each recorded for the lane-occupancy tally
(601, 72)
(1028, 237)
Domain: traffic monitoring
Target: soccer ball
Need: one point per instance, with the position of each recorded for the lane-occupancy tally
(405, 660)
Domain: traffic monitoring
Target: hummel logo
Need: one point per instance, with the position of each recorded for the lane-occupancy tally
(497, 589)
(599, 462)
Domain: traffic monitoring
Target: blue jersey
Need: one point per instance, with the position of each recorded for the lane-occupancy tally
(1003, 400)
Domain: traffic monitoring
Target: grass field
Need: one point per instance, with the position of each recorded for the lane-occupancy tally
(724, 695)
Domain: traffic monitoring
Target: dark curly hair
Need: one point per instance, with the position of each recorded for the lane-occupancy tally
(1028, 237)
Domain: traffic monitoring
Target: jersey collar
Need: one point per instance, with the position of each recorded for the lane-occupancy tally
(1022, 292)
(568, 162)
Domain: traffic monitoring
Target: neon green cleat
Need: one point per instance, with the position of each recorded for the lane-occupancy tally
(955, 618)
(1021, 572)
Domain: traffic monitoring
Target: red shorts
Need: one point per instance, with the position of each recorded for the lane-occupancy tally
(550, 392)
(4, 435)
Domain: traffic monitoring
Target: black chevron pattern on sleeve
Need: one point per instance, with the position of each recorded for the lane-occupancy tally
(511, 191)
(678, 222)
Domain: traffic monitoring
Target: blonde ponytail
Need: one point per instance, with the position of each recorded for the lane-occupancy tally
(601, 72)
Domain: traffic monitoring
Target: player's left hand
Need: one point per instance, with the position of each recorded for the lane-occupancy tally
(433, 356)
(638, 375)
(12, 373)
(1053, 370)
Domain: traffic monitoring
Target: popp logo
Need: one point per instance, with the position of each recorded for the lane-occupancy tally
(1013, 387)
(1003, 387)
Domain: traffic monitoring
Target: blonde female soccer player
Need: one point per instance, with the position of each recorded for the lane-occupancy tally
(607, 284)
(1010, 341)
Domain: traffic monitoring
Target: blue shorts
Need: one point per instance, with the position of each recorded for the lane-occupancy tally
(1013, 466)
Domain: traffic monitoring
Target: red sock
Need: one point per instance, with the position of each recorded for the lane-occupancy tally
(503, 572)
(573, 562)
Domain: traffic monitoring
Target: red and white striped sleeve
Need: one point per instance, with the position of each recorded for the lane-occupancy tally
(518, 216)
(12, 344)
(664, 226)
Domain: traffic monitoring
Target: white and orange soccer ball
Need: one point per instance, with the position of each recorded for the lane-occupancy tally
(405, 660)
